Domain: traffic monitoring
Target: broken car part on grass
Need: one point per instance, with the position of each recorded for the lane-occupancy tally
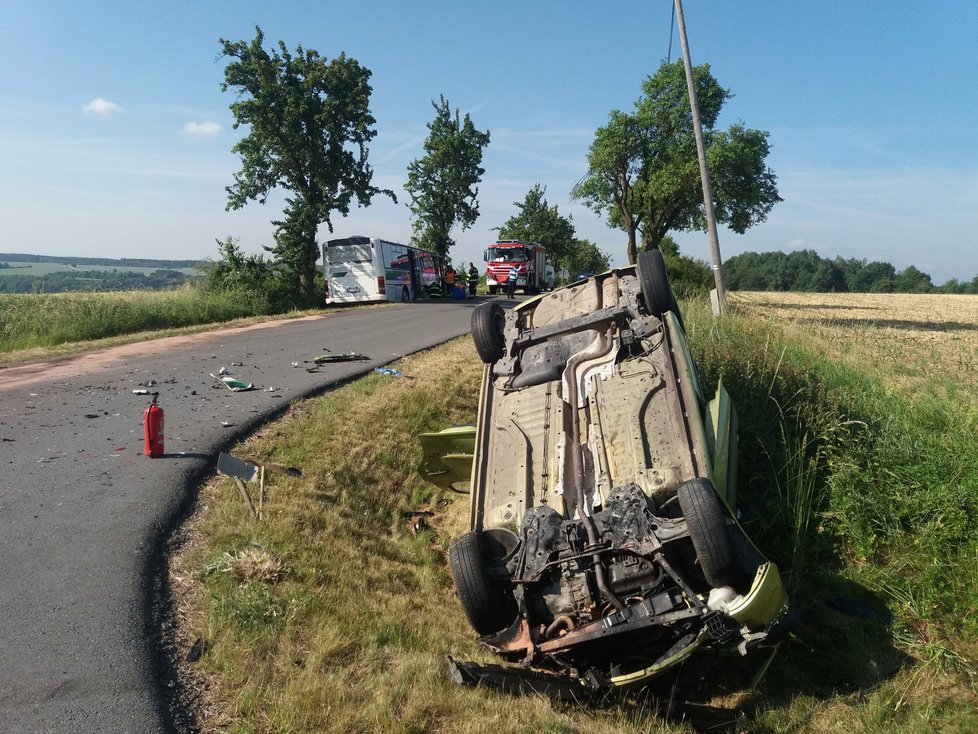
(603, 547)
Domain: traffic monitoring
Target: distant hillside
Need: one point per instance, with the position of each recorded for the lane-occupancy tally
(20, 273)
(125, 262)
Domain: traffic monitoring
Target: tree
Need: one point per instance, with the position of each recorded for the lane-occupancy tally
(613, 182)
(539, 222)
(443, 184)
(912, 280)
(687, 275)
(643, 170)
(309, 124)
(585, 257)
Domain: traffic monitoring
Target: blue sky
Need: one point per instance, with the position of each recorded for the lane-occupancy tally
(115, 137)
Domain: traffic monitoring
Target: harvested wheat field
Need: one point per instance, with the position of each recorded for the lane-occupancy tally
(920, 342)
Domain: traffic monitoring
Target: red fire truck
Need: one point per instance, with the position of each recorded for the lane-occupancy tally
(535, 273)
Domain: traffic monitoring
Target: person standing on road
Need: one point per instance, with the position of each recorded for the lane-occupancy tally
(473, 279)
(514, 274)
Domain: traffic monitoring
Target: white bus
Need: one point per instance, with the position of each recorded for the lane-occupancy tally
(359, 269)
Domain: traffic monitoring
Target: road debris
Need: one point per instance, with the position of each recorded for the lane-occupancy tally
(348, 357)
(197, 650)
(419, 526)
(231, 466)
(388, 371)
(234, 385)
(281, 469)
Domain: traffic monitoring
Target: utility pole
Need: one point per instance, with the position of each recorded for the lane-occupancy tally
(711, 222)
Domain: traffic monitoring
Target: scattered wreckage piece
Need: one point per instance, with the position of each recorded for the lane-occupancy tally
(348, 357)
(447, 457)
(242, 470)
(233, 384)
(603, 542)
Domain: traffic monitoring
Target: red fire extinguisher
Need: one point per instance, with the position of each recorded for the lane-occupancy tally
(153, 428)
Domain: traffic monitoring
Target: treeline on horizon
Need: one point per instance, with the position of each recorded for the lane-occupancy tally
(804, 270)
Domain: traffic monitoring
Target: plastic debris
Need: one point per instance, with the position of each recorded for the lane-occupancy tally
(222, 371)
(348, 357)
(419, 526)
(140, 391)
(234, 385)
(388, 371)
(295, 364)
(232, 466)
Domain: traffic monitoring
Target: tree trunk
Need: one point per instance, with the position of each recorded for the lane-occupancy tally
(307, 276)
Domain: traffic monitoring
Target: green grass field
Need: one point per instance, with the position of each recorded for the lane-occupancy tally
(331, 615)
(46, 321)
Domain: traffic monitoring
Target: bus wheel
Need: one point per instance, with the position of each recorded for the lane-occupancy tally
(488, 322)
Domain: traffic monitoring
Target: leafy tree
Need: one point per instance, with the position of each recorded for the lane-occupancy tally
(912, 280)
(643, 170)
(585, 257)
(538, 221)
(443, 184)
(687, 274)
(309, 124)
(613, 182)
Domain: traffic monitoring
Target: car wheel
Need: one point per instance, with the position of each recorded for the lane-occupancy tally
(708, 530)
(654, 281)
(488, 322)
(488, 607)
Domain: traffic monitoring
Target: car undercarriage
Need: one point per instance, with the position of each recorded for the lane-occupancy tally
(604, 548)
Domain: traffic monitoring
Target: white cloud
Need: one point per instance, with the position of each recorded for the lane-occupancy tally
(101, 106)
(206, 129)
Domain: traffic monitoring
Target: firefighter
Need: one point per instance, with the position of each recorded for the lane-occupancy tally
(514, 274)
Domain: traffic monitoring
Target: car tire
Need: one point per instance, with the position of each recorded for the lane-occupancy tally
(488, 321)
(654, 281)
(707, 523)
(488, 607)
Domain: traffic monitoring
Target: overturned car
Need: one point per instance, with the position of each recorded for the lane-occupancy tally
(603, 548)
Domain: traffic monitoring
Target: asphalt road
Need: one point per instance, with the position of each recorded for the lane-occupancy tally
(84, 515)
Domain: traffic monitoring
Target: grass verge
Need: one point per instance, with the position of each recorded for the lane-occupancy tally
(27, 326)
(330, 614)
(45, 321)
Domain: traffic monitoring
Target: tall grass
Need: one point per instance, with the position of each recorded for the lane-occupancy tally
(28, 321)
(869, 495)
